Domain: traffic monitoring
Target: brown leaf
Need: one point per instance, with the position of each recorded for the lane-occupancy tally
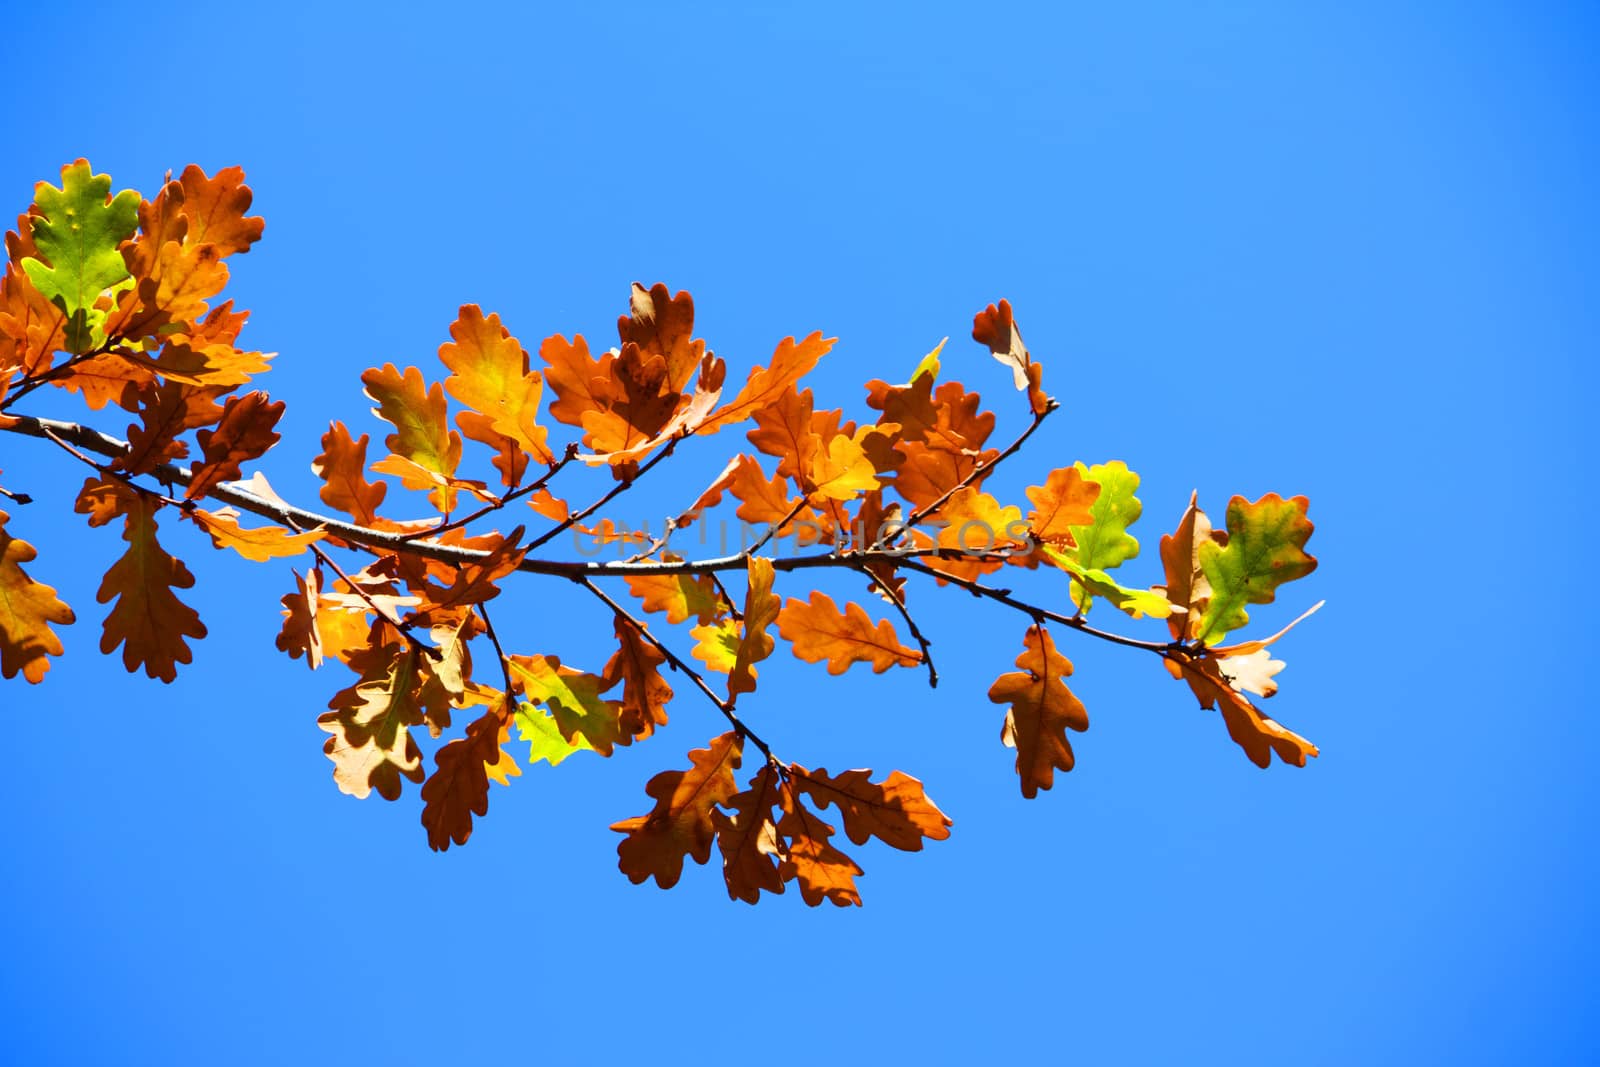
(637, 665)
(372, 747)
(1252, 731)
(748, 839)
(896, 811)
(215, 209)
(148, 620)
(27, 608)
(342, 467)
(300, 635)
(820, 631)
(257, 545)
(822, 870)
(244, 432)
(995, 328)
(1043, 709)
(680, 824)
(459, 789)
(662, 324)
(165, 412)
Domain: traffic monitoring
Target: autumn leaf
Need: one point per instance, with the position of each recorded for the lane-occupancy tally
(31, 327)
(148, 620)
(747, 837)
(819, 631)
(760, 612)
(459, 788)
(783, 431)
(77, 231)
(417, 413)
(716, 644)
(843, 470)
(473, 583)
(1136, 602)
(1252, 731)
(1065, 501)
(766, 385)
(824, 873)
(372, 747)
(342, 467)
(300, 635)
(679, 595)
(896, 811)
(637, 666)
(165, 412)
(490, 375)
(573, 698)
(1266, 547)
(244, 432)
(215, 209)
(257, 545)
(680, 824)
(27, 608)
(662, 324)
(1187, 587)
(1042, 710)
(994, 328)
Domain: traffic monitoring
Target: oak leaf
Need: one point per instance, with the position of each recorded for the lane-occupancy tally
(995, 328)
(490, 375)
(27, 608)
(1266, 547)
(459, 788)
(1064, 501)
(896, 811)
(417, 412)
(77, 230)
(1252, 731)
(244, 432)
(342, 468)
(680, 824)
(148, 620)
(1042, 710)
(821, 869)
(819, 631)
(257, 545)
(747, 837)
(637, 665)
(215, 209)
(765, 385)
(573, 699)
(679, 595)
(372, 747)
(760, 612)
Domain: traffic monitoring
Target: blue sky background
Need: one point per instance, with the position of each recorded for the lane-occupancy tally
(1346, 250)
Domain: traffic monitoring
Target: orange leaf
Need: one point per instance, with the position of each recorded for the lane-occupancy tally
(1043, 709)
(843, 469)
(819, 630)
(245, 432)
(258, 545)
(748, 839)
(896, 811)
(680, 824)
(215, 210)
(342, 467)
(1060, 504)
(822, 870)
(662, 324)
(679, 595)
(148, 620)
(580, 384)
(104, 499)
(766, 385)
(27, 608)
(417, 412)
(1186, 586)
(760, 611)
(31, 327)
(473, 583)
(489, 374)
(761, 500)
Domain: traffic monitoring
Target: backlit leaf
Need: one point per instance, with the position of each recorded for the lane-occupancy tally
(27, 608)
(77, 232)
(148, 620)
(1042, 710)
(819, 631)
(680, 825)
(1266, 547)
(760, 612)
(896, 811)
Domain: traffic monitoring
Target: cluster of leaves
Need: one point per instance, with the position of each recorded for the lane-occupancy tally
(112, 298)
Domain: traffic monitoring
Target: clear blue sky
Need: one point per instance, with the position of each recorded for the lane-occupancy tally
(1347, 251)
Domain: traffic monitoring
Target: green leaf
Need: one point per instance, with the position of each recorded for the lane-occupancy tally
(1105, 542)
(545, 742)
(1136, 602)
(77, 232)
(1266, 547)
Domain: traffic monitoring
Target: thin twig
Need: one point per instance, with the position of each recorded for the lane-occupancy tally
(32, 382)
(1036, 613)
(499, 502)
(911, 624)
(505, 664)
(723, 705)
(579, 516)
(772, 531)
